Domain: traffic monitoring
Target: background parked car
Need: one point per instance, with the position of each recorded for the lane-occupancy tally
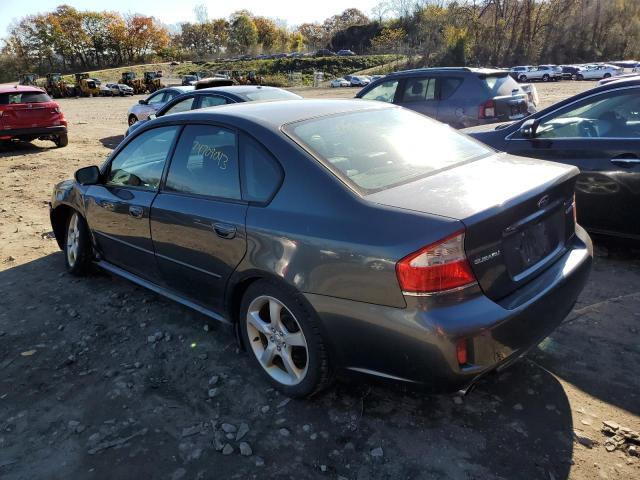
(151, 104)
(339, 82)
(598, 131)
(188, 80)
(216, 96)
(27, 113)
(519, 73)
(544, 73)
(323, 52)
(359, 80)
(346, 53)
(120, 89)
(597, 72)
(461, 97)
(417, 267)
(570, 72)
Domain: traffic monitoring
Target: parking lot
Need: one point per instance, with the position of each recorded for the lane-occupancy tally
(102, 379)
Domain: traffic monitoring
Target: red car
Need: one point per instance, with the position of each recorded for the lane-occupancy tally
(27, 113)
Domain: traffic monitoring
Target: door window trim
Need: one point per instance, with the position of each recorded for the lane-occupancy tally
(559, 109)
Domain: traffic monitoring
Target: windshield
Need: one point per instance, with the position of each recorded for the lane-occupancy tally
(270, 94)
(373, 150)
(24, 97)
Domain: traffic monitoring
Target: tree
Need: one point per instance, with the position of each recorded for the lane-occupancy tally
(243, 34)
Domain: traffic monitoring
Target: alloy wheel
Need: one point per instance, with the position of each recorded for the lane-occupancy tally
(277, 340)
(73, 240)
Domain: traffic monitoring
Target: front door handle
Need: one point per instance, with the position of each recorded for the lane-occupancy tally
(626, 160)
(135, 211)
(224, 230)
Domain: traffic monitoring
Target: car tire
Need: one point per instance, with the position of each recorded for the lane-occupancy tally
(574, 76)
(580, 77)
(132, 119)
(522, 78)
(61, 140)
(289, 349)
(607, 75)
(77, 245)
(545, 78)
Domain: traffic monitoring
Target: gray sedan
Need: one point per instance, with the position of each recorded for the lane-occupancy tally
(336, 236)
(153, 103)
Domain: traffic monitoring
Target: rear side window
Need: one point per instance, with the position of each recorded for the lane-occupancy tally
(385, 92)
(499, 85)
(448, 86)
(24, 97)
(212, 101)
(261, 174)
(205, 163)
(419, 90)
(181, 106)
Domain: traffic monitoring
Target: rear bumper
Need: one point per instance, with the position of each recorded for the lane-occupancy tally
(418, 344)
(33, 132)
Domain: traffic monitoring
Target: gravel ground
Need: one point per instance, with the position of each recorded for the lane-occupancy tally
(102, 379)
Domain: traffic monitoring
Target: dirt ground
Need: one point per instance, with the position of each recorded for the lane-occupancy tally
(102, 379)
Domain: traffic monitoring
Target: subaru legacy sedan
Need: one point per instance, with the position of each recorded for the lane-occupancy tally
(336, 235)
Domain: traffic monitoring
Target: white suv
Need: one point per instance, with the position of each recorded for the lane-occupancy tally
(545, 73)
(597, 72)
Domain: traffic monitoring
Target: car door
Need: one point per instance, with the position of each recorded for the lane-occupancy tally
(601, 136)
(117, 210)
(419, 94)
(198, 217)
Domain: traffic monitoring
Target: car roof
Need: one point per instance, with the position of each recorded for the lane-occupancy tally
(274, 114)
(19, 88)
(236, 89)
(418, 71)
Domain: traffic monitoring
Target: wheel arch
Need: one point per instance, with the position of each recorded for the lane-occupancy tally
(59, 217)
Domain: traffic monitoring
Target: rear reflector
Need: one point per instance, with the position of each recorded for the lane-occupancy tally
(461, 352)
(435, 268)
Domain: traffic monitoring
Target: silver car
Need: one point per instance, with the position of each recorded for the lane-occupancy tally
(153, 103)
(119, 89)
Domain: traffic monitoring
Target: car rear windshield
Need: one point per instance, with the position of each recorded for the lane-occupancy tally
(24, 97)
(270, 94)
(500, 85)
(373, 150)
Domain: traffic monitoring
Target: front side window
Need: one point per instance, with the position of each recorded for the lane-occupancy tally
(205, 163)
(141, 162)
(181, 106)
(376, 149)
(419, 90)
(212, 101)
(385, 92)
(157, 98)
(615, 116)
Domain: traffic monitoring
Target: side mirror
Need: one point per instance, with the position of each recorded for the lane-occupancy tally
(528, 128)
(142, 102)
(88, 175)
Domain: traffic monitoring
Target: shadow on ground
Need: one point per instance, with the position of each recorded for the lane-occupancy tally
(13, 148)
(101, 379)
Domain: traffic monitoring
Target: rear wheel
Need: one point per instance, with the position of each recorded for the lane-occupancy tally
(545, 78)
(281, 333)
(132, 119)
(77, 246)
(61, 140)
(607, 75)
(580, 77)
(522, 78)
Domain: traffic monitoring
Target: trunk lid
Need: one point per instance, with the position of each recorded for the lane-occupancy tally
(512, 107)
(517, 214)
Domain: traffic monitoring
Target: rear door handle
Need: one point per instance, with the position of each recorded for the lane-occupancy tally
(225, 230)
(107, 205)
(135, 211)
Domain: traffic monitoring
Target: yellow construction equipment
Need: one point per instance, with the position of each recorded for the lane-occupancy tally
(129, 78)
(28, 79)
(152, 81)
(85, 86)
(56, 87)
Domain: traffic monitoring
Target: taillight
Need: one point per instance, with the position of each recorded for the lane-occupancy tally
(437, 267)
(487, 109)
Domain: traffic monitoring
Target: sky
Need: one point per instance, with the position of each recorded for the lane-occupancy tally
(176, 11)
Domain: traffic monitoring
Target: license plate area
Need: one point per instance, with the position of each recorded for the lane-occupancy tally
(528, 247)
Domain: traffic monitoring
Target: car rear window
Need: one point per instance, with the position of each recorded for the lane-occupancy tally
(373, 150)
(24, 97)
(499, 85)
(270, 94)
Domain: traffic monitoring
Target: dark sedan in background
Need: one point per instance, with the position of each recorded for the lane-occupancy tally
(215, 96)
(328, 237)
(598, 131)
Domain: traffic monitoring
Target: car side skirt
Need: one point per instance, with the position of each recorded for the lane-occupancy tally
(160, 290)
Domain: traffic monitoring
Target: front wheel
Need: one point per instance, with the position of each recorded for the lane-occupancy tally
(522, 78)
(132, 119)
(580, 77)
(545, 78)
(607, 75)
(61, 140)
(77, 245)
(281, 333)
